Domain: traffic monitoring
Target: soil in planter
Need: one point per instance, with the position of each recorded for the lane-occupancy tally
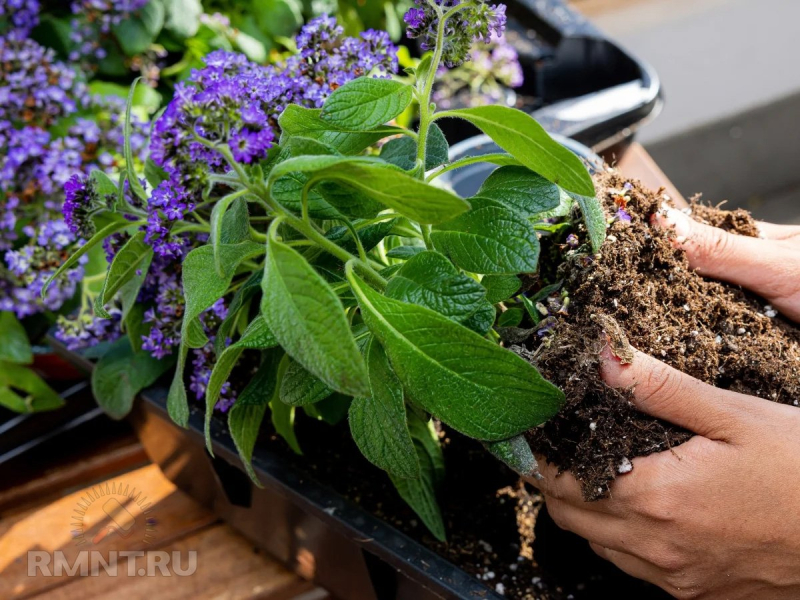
(710, 330)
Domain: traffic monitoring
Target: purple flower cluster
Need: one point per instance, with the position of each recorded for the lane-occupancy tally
(92, 25)
(85, 331)
(478, 22)
(21, 16)
(236, 102)
(490, 70)
(29, 267)
(204, 359)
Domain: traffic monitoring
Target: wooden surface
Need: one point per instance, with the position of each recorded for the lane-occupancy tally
(43, 515)
(636, 163)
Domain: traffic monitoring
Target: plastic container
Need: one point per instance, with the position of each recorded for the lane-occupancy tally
(578, 82)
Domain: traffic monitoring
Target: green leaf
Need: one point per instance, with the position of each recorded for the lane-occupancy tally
(429, 279)
(382, 182)
(378, 423)
(370, 236)
(133, 178)
(121, 373)
(283, 414)
(522, 190)
(332, 410)
(16, 380)
(301, 388)
(140, 29)
(103, 184)
(460, 377)
(303, 146)
(420, 493)
(500, 287)
(242, 296)
(365, 103)
(257, 336)
(247, 413)
(402, 151)
(14, 345)
(201, 288)
(515, 453)
(422, 70)
(405, 252)
(510, 318)
(98, 237)
(218, 215)
(483, 319)
(489, 239)
(297, 120)
(523, 138)
(595, 219)
(278, 18)
(182, 17)
(309, 322)
(423, 430)
(153, 173)
(129, 260)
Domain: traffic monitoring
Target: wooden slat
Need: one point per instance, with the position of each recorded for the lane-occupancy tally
(227, 567)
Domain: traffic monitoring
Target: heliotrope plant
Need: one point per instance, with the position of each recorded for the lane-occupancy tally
(328, 274)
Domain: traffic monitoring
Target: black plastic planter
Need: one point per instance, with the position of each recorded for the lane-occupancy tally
(578, 82)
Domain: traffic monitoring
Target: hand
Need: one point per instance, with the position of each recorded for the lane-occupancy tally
(718, 516)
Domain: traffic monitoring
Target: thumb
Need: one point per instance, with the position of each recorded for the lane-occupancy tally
(768, 267)
(666, 393)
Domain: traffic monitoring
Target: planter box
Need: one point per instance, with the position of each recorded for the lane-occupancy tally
(578, 82)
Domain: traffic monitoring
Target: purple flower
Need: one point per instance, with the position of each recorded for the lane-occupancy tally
(414, 18)
(81, 198)
(622, 215)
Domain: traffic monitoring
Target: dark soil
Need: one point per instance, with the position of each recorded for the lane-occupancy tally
(713, 331)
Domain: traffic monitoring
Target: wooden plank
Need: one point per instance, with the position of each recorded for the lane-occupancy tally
(78, 521)
(227, 567)
(102, 463)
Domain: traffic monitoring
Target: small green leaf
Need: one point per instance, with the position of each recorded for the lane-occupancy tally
(242, 296)
(365, 103)
(98, 237)
(500, 287)
(378, 423)
(103, 184)
(247, 413)
(308, 320)
(420, 493)
(422, 70)
(306, 122)
(515, 453)
(121, 373)
(332, 410)
(595, 219)
(402, 151)
(460, 377)
(129, 260)
(489, 239)
(301, 388)
(430, 280)
(18, 379)
(139, 30)
(283, 414)
(382, 182)
(523, 138)
(405, 252)
(257, 336)
(522, 190)
(370, 236)
(510, 318)
(15, 347)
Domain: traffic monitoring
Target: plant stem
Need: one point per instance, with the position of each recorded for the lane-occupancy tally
(466, 161)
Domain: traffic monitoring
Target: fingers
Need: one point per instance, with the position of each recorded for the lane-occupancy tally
(636, 567)
(666, 393)
(770, 231)
(769, 267)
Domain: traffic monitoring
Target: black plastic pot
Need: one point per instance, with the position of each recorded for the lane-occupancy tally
(578, 82)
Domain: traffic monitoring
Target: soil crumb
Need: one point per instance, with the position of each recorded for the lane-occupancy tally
(641, 282)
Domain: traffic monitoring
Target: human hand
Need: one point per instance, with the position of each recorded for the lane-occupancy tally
(716, 517)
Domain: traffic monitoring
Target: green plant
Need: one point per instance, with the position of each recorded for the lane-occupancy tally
(378, 288)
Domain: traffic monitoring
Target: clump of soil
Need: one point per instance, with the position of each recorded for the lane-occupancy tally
(710, 330)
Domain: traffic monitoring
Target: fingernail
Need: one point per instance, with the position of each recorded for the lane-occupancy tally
(679, 222)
